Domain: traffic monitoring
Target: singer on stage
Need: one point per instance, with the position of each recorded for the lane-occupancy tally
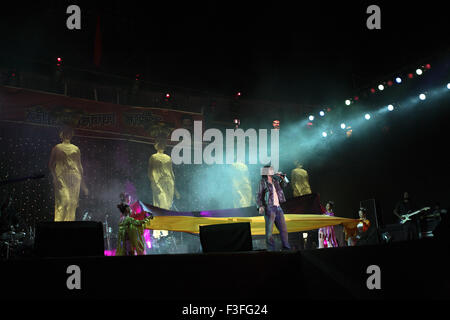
(268, 199)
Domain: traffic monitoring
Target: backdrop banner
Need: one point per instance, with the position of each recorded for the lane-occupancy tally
(91, 118)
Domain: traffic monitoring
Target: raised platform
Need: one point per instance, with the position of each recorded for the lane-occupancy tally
(409, 270)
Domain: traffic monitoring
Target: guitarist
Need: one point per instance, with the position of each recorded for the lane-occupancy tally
(405, 206)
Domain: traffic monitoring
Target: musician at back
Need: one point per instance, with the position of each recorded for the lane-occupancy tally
(404, 206)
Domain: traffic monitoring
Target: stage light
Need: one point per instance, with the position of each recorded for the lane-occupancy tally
(410, 75)
(419, 71)
(349, 133)
(342, 125)
(58, 59)
(448, 86)
(324, 134)
(381, 87)
(347, 102)
(322, 113)
(367, 116)
(390, 107)
(238, 94)
(422, 96)
(398, 80)
(167, 95)
(428, 66)
(311, 118)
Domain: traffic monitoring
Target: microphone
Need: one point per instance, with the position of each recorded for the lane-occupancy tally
(283, 175)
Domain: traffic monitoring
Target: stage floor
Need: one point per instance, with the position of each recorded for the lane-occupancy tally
(408, 270)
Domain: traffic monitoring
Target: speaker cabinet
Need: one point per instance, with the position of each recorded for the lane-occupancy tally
(229, 237)
(69, 239)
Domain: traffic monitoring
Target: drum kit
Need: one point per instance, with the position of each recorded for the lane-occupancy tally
(165, 244)
(12, 241)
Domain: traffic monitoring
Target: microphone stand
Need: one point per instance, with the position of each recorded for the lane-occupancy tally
(107, 234)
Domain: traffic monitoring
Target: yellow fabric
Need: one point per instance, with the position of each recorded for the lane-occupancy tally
(242, 188)
(294, 223)
(300, 183)
(66, 163)
(162, 181)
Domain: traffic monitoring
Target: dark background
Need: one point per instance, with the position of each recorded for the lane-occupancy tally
(313, 52)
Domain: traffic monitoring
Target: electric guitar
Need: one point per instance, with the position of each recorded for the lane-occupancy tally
(406, 217)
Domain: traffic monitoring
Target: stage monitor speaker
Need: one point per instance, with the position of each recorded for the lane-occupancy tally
(69, 239)
(369, 237)
(229, 237)
(395, 232)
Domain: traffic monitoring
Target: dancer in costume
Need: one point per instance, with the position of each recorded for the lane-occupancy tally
(354, 235)
(327, 237)
(268, 199)
(130, 238)
(67, 171)
(300, 181)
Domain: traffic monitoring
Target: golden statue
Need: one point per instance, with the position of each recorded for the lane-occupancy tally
(300, 181)
(162, 181)
(67, 171)
(242, 188)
